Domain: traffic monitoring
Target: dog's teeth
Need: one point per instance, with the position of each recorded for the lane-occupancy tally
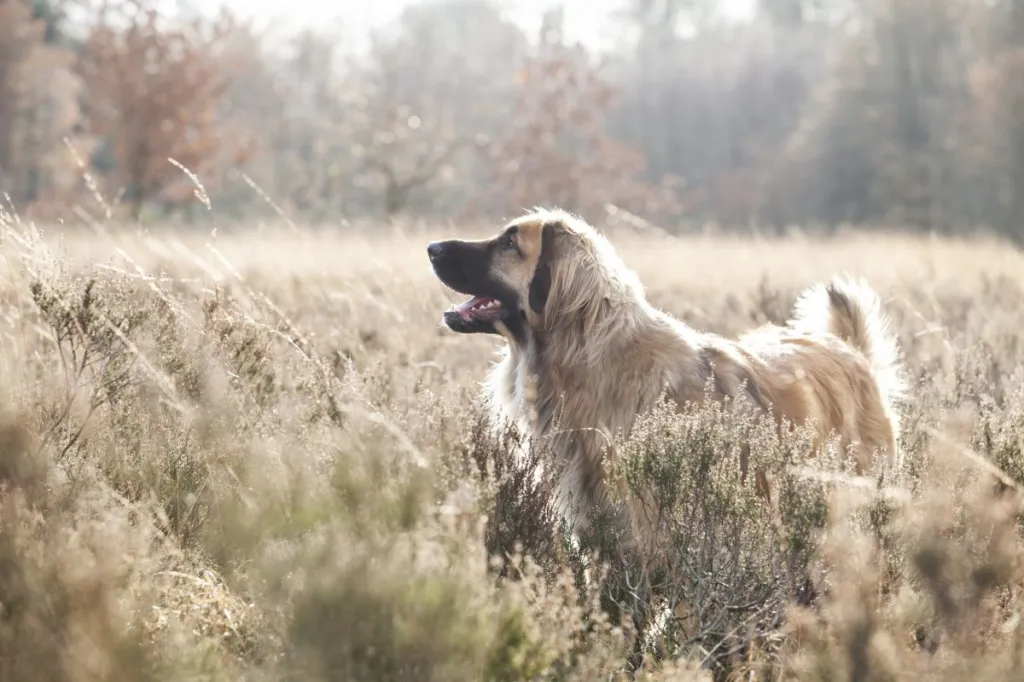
(489, 305)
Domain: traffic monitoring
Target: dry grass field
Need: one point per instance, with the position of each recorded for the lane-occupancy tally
(257, 455)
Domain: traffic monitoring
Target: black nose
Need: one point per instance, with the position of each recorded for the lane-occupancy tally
(434, 250)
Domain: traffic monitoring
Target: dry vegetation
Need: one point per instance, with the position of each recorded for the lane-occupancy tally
(257, 455)
(240, 456)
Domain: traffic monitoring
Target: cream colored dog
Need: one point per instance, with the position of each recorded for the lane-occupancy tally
(587, 353)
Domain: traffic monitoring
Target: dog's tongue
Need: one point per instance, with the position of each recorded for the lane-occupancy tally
(464, 309)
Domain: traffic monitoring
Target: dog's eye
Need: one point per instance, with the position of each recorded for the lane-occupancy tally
(510, 241)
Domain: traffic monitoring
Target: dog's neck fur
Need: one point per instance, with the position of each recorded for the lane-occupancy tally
(585, 345)
(547, 384)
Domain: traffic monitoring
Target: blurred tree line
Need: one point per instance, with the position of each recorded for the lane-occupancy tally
(817, 112)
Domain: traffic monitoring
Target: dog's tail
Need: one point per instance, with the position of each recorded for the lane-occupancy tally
(852, 310)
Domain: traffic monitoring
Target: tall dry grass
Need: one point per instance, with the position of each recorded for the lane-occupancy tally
(256, 455)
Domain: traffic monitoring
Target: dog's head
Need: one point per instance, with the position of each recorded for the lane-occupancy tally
(540, 265)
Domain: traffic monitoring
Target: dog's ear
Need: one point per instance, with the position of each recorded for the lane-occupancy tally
(540, 285)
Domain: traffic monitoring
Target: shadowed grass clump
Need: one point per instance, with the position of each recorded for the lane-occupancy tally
(259, 457)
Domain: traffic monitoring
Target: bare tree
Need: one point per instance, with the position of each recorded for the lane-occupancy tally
(411, 139)
(20, 35)
(998, 117)
(38, 107)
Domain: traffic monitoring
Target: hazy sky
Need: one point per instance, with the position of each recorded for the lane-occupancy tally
(586, 20)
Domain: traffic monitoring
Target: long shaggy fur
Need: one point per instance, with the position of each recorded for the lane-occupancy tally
(587, 353)
(599, 355)
(852, 310)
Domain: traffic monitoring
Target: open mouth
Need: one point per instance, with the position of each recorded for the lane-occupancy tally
(482, 308)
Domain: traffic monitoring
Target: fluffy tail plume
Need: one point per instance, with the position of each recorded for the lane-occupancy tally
(852, 310)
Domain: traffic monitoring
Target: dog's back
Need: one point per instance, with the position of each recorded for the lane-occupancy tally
(837, 362)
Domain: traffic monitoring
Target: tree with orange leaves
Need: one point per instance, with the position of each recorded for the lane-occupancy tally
(558, 152)
(154, 88)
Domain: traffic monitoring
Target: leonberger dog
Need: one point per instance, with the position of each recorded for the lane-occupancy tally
(586, 352)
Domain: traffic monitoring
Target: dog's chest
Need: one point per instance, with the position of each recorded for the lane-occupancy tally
(578, 398)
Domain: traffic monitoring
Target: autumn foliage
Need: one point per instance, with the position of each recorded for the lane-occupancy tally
(154, 92)
(159, 117)
(557, 146)
(817, 112)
